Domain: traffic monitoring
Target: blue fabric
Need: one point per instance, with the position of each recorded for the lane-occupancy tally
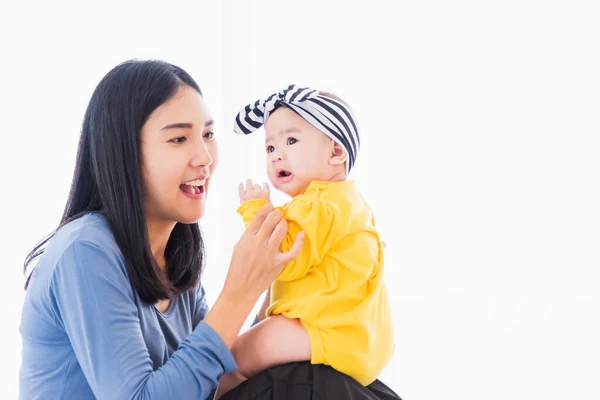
(86, 334)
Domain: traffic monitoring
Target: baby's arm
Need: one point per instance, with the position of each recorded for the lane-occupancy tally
(276, 340)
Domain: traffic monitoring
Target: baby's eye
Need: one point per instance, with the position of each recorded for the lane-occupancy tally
(270, 149)
(291, 141)
(180, 139)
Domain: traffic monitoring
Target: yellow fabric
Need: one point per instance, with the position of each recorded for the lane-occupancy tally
(335, 287)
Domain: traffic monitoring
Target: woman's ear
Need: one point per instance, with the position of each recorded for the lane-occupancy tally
(338, 154)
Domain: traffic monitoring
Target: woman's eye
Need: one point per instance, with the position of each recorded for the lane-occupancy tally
(209, 135)
(270, 149)
(180, 139)
(291, 141)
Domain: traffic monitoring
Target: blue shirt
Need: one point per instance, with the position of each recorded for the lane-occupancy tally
(86, 334)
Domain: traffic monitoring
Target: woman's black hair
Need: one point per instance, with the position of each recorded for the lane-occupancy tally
(108, 177)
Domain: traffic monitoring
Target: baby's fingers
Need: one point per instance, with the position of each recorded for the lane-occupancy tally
(249, 185)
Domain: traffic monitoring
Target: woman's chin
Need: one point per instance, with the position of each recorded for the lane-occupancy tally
(191, 217)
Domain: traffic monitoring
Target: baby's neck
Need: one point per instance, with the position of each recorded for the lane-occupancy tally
(331, 178)
(335, 175)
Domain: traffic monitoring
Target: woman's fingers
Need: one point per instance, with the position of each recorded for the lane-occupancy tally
(257, 260)
(269, 224)
(292, 253)
(277, 236)
(257, 223)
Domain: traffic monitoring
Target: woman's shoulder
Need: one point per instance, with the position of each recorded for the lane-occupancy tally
(91, 227)
(76, 245)
(91, 230)
(82, 253)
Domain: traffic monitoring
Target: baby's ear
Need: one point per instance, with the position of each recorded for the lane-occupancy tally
(338, 154)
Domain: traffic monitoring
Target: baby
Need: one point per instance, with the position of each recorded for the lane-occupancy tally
(330, 304)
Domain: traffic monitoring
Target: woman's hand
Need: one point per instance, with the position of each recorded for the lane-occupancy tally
(256, 260)
(255, 263)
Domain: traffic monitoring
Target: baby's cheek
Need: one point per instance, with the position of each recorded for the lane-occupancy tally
(271, 176)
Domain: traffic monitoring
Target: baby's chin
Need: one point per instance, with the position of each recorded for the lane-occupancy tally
(295, 191)
(290, 189)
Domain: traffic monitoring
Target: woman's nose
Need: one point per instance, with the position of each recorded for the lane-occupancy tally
(201, 156)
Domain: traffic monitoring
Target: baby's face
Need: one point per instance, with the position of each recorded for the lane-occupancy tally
(297, 152)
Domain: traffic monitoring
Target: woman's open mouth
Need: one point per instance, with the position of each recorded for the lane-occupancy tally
(193, 188)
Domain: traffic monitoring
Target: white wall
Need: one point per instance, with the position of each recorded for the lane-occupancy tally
(479, 156)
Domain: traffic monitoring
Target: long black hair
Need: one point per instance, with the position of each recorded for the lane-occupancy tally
(108, 178)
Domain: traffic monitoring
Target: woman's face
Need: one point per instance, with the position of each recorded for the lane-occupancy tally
(179, 154)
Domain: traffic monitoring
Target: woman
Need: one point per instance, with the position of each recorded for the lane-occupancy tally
(114, 307)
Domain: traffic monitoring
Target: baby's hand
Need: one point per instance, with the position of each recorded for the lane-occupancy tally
(251, 192)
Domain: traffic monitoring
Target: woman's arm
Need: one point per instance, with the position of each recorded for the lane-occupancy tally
(93, 301)
(94, 304)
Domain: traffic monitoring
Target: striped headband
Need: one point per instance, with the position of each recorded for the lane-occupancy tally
(327, 115)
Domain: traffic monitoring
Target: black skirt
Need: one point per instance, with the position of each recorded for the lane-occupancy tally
(303, 381)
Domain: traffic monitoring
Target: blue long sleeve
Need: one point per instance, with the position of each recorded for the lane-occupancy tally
(86, 335)
(97, 311)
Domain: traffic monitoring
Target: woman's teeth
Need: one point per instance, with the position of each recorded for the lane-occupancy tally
(197, 182)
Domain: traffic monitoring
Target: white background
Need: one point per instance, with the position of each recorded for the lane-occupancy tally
(480, 158)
